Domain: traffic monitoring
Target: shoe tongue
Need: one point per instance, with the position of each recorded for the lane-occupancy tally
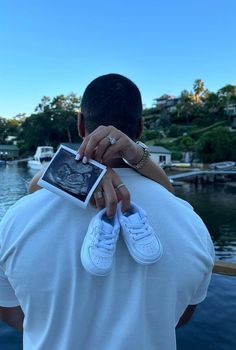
(106, 227)
(134, 218)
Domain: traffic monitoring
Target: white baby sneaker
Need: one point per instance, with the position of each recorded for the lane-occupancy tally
(141, 240)
(99, 244)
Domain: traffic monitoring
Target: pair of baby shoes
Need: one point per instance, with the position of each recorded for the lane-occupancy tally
(99, 244)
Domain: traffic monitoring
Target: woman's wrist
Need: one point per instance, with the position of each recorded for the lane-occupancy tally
(141, 156)
(137, 155)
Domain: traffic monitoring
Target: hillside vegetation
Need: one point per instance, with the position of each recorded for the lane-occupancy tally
(197, 122)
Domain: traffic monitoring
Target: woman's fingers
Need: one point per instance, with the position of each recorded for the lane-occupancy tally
(115, 151)
(110, 192)
(106, 142)
(91, 141)
(124, 196)
(101, 149)
(111, 199)
(115, 191)
(98, 197)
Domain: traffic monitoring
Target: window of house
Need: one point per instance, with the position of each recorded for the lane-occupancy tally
(162, 158)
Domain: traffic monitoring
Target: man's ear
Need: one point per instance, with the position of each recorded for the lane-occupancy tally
(80, 125)
(140, 129)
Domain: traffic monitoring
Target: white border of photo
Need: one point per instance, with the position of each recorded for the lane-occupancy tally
(61, 192)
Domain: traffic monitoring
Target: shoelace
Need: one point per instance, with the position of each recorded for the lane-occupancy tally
(106, 240)
(140, 231)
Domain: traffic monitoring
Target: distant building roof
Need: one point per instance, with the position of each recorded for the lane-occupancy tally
(9, 148)
(158, 149)
(165, 97)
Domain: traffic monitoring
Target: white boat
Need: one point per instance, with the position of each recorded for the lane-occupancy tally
(42, 156)
(222, 165)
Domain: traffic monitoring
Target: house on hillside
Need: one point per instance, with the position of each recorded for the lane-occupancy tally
(231, 111)
(167, 102)
(161, 155)
(9, 152)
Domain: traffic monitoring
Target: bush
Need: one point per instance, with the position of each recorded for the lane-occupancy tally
(150, 135)
(177, 130)
(176, 155)
(216, 145)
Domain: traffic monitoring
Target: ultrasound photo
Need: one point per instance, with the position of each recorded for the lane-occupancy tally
(71, 178)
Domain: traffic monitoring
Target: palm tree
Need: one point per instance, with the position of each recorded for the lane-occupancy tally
(198, 88)
(185, 105)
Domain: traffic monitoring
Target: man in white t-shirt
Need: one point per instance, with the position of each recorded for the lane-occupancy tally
(44, 285)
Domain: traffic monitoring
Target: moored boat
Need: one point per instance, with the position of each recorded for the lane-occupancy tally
(42, 155)
(222, 165)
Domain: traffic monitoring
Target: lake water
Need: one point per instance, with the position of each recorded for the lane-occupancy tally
(213, 326)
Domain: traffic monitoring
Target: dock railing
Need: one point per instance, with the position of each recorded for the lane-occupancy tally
(225, 268)
(196, 172)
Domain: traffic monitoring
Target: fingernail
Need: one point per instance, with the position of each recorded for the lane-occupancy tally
(77, 157)
(85, 160)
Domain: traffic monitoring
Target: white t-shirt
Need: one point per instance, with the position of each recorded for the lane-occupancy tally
(135, 307)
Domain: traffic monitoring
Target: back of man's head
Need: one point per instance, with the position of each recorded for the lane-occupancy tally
(112, 99)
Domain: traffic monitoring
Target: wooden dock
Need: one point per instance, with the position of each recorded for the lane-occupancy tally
(201, 173)
(225, 268)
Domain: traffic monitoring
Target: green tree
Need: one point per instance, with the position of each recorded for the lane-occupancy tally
(228, 91)
(198, 88)
(55, 122)
(13, 127)
(3, 129)
(185, 107)
(186, 144)
(216, 145)
(213, 107)
(64, 112)
(44, 105)
(227, 95)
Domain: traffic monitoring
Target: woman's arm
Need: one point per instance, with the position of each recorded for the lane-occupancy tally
(154, 172)
(97, 146)
(150, 170)
(33, 186)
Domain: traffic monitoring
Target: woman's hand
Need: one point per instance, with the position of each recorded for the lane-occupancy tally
(106, 143)
(110, 192)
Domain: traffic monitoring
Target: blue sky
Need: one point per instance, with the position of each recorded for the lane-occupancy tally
(52, 47)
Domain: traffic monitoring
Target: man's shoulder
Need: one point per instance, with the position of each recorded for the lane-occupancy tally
(25, 206)
(31, 199)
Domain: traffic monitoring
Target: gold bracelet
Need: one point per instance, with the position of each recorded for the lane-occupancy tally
(144, 159)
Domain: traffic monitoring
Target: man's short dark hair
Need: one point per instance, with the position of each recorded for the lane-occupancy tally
(112, 99)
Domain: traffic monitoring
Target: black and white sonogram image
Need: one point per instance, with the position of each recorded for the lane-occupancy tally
(72, 176)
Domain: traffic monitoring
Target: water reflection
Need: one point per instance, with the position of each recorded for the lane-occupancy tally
(216, 205)
(13, 182)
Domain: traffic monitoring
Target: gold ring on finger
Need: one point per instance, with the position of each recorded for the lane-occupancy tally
(119, 186)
